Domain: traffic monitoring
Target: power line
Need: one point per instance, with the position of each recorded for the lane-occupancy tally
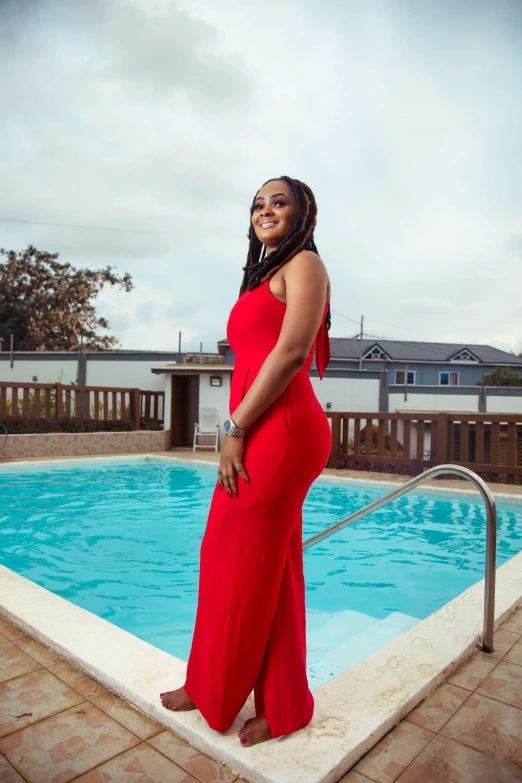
(93, 228)
(346, 316)
(388, 326)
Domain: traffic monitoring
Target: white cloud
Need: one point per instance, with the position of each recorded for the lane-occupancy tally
(404, 118)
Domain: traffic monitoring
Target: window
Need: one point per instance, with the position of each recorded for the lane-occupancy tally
(400, 377)
(449, 379)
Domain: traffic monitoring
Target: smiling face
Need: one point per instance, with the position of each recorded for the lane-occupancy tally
(274, 213)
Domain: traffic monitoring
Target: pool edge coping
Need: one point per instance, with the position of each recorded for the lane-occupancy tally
(503, 497)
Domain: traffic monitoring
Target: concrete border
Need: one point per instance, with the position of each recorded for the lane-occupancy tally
(466, 494)
(74, 444)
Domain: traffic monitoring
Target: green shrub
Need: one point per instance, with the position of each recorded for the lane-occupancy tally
(17, 425)
(150, 424)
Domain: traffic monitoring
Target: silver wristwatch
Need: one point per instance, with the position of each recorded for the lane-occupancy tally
(230, 428)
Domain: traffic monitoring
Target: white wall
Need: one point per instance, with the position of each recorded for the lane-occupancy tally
(215, 396)
(166, 386)
(503, 404)
(348, 394)
(47, 371)
(433, 402)
(495, 403)
(344, 394)
(133, 374)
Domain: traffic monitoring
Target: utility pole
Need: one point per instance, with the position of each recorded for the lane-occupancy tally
(11, 348)
(179, 348)
(82, 375)
(361, 340)
(201, 353)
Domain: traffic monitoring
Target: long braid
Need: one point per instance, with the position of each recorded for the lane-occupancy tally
(259, 266)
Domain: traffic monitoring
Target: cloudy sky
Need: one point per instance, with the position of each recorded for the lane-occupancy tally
(147, 127)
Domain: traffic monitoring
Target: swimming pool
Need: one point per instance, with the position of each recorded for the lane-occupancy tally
(121, 539)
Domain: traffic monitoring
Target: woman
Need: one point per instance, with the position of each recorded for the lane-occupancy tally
(250, 625)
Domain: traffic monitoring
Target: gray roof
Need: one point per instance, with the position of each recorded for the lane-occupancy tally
(404, 351)
(399, 350)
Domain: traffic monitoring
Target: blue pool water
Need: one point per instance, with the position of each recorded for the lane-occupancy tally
(121, 539)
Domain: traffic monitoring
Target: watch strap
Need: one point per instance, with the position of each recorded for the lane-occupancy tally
(235, 431)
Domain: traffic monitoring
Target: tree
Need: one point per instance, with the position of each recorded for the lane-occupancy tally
(48, 305)
(501, 376)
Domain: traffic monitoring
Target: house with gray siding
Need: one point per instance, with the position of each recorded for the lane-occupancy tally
(413, 363)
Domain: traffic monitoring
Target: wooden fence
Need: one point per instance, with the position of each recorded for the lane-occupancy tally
(485, 443)
(100, 403)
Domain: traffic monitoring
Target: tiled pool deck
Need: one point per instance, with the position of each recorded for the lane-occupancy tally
(58, 725)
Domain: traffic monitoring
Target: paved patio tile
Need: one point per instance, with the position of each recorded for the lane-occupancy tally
(513, 623)
(14, 662)
(439, 707)
(3, 639)
(30, 698)
(446, 761)
(142, 764)
(515, 654)
(473, 671)
(141, 725)
(10, 631)
(392, 754)
(504, 641)
(43, 655)
(202, 767)
(8, 773)
(355, 777)
(59, 748)
(78, 680)
(504, 684)
(489, 726)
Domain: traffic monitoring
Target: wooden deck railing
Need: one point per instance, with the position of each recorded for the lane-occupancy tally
(152, 405)
(101, 403)
(483, 442)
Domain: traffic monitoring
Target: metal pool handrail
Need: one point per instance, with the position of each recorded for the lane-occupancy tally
(491, 534)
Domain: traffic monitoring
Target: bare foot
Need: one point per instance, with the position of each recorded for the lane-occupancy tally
(177, 701)
(254, 731)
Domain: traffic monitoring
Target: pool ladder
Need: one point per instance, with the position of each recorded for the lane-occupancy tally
(491, 534)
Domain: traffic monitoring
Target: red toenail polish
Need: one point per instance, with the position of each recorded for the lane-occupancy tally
(162, 694)
(244, 740)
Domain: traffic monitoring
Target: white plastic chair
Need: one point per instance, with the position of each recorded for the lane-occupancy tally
(208, 426)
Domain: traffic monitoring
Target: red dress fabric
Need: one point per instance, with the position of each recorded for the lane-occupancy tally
(250, 624)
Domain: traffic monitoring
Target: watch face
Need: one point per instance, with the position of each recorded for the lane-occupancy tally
(228, 426)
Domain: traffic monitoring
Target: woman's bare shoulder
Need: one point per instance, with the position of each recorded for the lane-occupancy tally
(307, 268)
(307, 260)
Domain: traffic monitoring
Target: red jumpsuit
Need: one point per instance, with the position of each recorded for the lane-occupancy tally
(250, 624)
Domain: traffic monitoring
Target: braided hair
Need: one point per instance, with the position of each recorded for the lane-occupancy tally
(260, 266)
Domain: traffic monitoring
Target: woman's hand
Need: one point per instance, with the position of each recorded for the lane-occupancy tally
(231, 463)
